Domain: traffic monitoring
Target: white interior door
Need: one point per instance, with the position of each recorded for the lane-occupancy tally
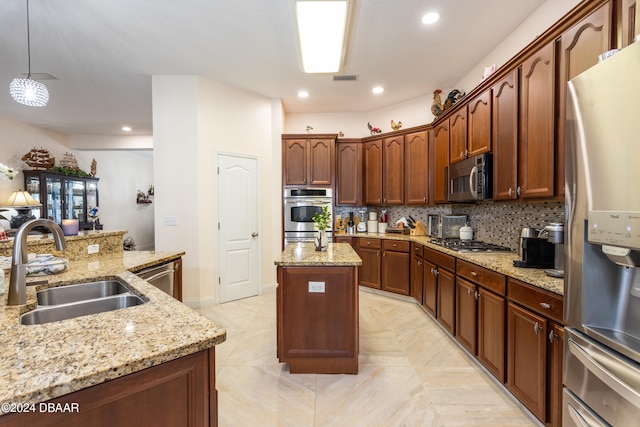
(238, 238)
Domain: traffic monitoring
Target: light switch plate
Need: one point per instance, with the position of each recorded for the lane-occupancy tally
(316, 287)
(93, 249)
(170, 221)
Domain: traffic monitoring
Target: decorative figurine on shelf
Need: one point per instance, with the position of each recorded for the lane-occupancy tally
(94, 215)
(340, 134)
(437, 108)
(322, 221)
(143, 198)
(453, 97)
(373, 130)
(309, 129)
(69, 161)
(39, 158)
(396, 126)
(94, 167)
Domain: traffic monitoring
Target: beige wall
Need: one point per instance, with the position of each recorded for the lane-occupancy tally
(194, 120)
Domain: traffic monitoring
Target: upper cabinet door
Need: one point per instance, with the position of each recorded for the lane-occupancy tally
(458, 136)
(479, 117)
(579, 50)
(416, 168)
(537, 114)
(320, 161)
(372, 171)
(349, 173)
(628, 22)
(505, 137)
(295, 162)
(393, 171)
(440, 162)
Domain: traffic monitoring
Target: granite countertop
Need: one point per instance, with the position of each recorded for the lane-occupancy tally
(305, 255)
(41, 362)
(501, 262)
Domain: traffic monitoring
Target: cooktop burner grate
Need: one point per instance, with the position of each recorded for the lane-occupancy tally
(469, 245)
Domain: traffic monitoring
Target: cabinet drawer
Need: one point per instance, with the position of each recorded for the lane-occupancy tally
(440, 259)
(396, 245)
(538, 300)
(480, 275)
(364, 242)
(417, 249)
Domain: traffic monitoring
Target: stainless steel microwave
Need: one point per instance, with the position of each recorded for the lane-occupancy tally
(471, 179)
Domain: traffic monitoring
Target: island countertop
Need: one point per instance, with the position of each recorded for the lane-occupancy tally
(41, 362)
(305, 255)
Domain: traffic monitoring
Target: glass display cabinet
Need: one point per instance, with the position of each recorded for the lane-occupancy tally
(62, 196)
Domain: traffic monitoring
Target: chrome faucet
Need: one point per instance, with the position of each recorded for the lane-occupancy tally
(18, 279)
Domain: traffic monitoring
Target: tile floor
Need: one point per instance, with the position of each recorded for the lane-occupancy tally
(410, 374)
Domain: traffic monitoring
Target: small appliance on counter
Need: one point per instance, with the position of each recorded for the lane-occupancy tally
(526, 232)
(466, 232)
(537, 252)
(555, 233)
(362, 224)
(445, 226)
(351, 225)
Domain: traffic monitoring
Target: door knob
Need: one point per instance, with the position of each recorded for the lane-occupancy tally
(254, 234)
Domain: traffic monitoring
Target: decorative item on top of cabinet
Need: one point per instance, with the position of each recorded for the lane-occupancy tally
(94, 167)
(39, 158)
(416, 168)
(579, 50)
(308, 160)
(440, 161)
(373, 130)
(348, 173)
(395, 126)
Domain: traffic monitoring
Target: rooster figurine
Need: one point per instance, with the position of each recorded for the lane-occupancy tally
(453, 97)
(436, 106)
(396, 126)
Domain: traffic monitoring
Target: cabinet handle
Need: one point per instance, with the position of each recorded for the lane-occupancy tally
(510, 192)
(469, 291)
(537, 328)
(424, 199)
(462, 154)
(368, 243)
(551, 337)
(545, 305)
(436, 272)
(385, 200)
(519, 190)
(395, 246)
(378, 253)
(473, 273)
(477, 295)
(419, 262)
(384, 254)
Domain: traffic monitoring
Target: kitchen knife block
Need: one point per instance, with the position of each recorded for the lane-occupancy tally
(419, 230)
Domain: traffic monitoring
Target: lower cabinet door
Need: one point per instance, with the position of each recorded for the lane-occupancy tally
(466, 309)
(416, 278)
(369, 271)
(491, 332)
(395, 272)
(446, 300)
(527, 358)
(429, 287)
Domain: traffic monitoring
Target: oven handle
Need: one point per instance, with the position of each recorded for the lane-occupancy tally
(577, 417)
(473, 178)
(591, 362)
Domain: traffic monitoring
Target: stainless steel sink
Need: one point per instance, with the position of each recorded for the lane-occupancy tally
(54, 313)
(81, 292)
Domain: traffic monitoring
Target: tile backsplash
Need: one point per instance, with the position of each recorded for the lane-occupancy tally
(493, 222)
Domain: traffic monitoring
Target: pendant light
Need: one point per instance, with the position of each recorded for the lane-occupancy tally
(28, 91)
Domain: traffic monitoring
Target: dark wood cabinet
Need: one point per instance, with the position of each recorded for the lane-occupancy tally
(480, 315)
(416, 168)
(308, 160)
(534, 349)
(440, 162)
(417, 272)
(62, 196)
(370, 251)
(439, 287)
(578, 51)
(372, 172)
(429, 287)
(505, 136)
(396, 261)
(446, 299)
(458, 135)
(479, 125)
(393, 171)
(537, 130)
(176, 393)
(349, 174)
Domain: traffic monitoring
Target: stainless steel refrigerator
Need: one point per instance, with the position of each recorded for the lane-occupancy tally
(602, 250)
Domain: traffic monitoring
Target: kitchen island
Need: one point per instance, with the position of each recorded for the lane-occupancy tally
(154, 361)
(317, 309)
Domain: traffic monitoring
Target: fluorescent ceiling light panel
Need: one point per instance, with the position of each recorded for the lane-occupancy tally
(322, 26)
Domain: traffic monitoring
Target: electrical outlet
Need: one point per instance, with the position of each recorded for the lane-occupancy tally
(93, 249)
(316, 287)
(170, 221)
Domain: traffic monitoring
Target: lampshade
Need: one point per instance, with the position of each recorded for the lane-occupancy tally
(29, 92)
(20, 199)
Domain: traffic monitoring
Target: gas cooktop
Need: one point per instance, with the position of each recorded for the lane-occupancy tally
(469, 245)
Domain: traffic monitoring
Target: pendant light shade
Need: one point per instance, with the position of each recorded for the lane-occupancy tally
(28, 91)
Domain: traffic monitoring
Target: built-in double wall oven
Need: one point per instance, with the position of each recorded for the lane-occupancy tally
(300, 204)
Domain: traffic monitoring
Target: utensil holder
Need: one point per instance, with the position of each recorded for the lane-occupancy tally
(419, 230)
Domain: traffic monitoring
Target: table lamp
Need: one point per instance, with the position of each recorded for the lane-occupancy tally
(22, 202)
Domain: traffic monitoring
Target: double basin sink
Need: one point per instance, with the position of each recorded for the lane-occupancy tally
(82, 299)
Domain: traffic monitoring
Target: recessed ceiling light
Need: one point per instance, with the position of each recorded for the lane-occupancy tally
(126, 128)
(377, 90)
(430, 18)
(303, 94)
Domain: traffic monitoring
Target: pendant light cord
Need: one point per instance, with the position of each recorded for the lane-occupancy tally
(28, 43)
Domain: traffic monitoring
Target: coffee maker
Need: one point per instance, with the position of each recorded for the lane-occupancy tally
(536, 251)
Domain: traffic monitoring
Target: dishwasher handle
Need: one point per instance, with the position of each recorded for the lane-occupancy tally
(158, 275)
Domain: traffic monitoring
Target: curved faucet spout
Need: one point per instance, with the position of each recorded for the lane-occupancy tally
(18, 280)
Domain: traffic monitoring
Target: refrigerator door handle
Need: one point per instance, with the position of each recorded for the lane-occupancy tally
(595, 363)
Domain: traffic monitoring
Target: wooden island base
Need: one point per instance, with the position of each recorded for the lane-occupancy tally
(318, 319)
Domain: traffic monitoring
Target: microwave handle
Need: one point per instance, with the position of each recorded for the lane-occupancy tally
(473, 177)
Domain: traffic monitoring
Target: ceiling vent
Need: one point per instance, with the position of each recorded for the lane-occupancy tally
(345, 78)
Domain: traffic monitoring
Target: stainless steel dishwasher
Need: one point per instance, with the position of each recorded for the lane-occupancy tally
(160, 276)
